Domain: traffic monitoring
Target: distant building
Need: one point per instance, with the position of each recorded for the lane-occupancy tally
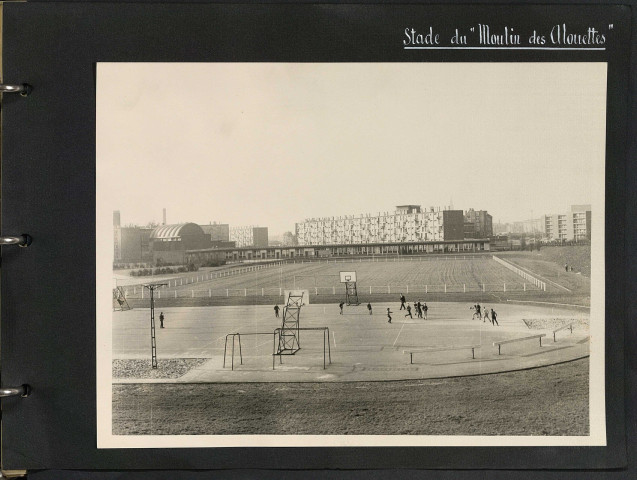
(249, 236)
(478, 224)
(408, 223)
(219, 232)
(573, 225)
(168, 243)
(131, 244)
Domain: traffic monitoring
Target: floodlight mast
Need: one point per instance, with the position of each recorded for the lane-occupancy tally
(153, 344)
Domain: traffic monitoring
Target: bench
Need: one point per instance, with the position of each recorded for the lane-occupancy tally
(568, 325)
(519, 340)
(411, 352)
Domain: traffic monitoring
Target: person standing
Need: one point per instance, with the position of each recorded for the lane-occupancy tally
(389, 315)
(424, 310)
(402, 302)
(340, 305)
(419, 309)
(486, 315)
(494, 318)
(161, 320)
(408, 314)
(369, 307)
(276, 311)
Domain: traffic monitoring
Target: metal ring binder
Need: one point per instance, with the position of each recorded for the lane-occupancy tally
(22, 391)
(23, 240)
(24, 89)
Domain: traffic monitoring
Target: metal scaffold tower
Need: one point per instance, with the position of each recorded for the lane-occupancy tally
(119, 296)
(289, 333)
(153, 344)
(351, 295)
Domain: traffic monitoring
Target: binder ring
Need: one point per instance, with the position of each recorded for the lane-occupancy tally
(24, 89)
(23, 240)
(22, 391)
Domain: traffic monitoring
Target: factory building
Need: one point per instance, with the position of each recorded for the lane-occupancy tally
(168, 243)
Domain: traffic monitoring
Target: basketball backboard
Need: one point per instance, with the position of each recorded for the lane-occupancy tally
(348, 277)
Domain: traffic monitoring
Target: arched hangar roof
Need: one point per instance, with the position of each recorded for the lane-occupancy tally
(177, 230)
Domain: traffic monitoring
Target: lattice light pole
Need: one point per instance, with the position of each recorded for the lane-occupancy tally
(153, 344)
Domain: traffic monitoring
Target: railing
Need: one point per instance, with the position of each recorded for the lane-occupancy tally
(527, 276)
(391, 289)
(430, 350)
(540, 336)
(568, 325)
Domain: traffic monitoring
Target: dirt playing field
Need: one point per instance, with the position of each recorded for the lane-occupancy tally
(550, 400)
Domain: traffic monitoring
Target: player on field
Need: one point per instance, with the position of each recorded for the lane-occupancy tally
(424, 310)
(479, 311)
(276, 311)
(494, 317)
(161, 320)
(486, 315)
(408, 314)
(369, 307)
(402, 302)
(475, 310)
(389, 315)
(419, 309)
(340, 305)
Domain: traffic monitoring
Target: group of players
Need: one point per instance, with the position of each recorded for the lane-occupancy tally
(477, 313)
(421, 310)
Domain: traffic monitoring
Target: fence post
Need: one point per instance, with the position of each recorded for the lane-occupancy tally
(407, 288)
(280, 292)
(175, 293)
(142, 293)
(192, 292)
(262, 292)
(426, 289)
(524, 286)
(209, 293)
(333, 290)
(445, 288)
(505, 287)
(245, 292)
(227, 292)
(370, 289)
(464, 288)
(483, 288)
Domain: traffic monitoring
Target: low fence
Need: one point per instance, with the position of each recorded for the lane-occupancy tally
(527, 276)
(135, 283)
(168, 292)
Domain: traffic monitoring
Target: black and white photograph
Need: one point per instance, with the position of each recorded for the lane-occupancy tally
(350, 254)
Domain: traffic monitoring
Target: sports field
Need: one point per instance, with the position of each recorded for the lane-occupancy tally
(448, 278)
(355, 373)
(355, 346)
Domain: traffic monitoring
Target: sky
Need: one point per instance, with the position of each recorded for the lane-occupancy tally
(273, 144)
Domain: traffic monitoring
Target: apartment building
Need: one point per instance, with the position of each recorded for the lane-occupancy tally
(249, 236)
(573, 225)
(408, 223)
